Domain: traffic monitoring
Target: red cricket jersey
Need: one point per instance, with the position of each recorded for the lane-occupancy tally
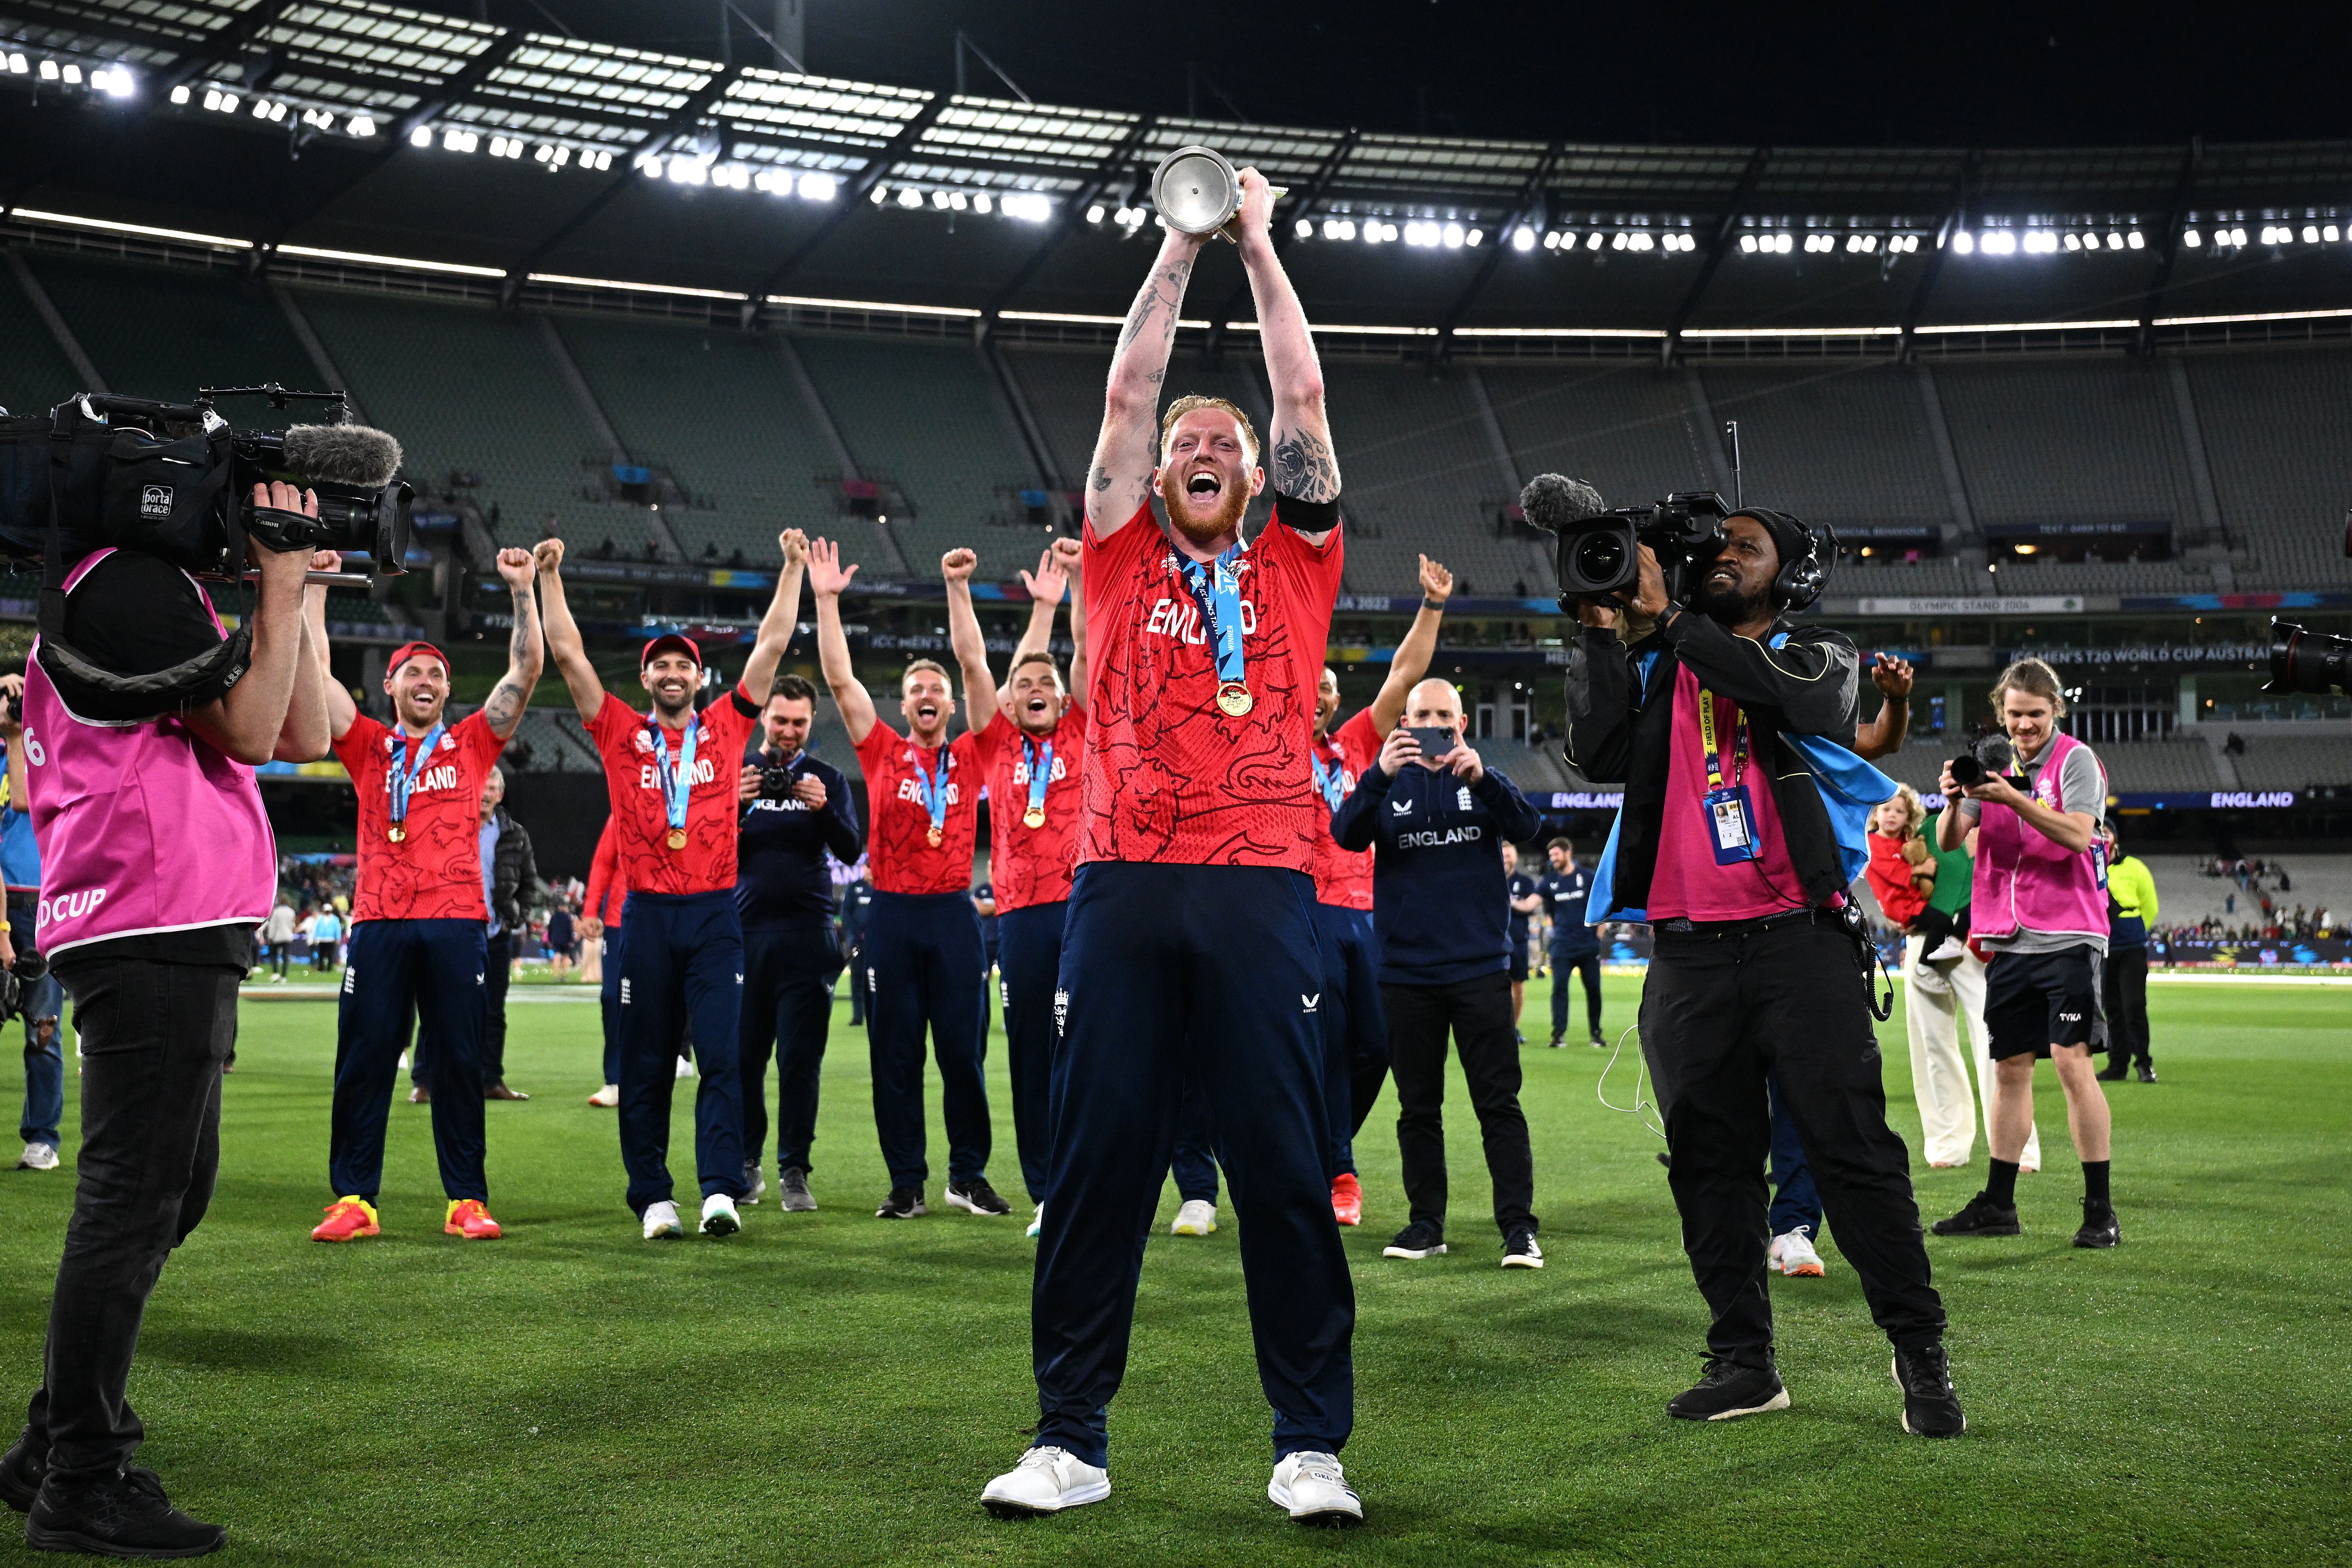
(608, 891)
(435, 872)
(1169, 777)
(640, 818)
(1029, 866)
(1344, 877)
(898, 844)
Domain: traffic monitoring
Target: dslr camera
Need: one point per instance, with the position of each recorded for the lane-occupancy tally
(1598, 549)
(776, 778)
(16, 983)
(1987, 755)
(2317, 663)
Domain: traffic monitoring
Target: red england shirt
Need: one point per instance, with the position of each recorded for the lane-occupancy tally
(640, 816)
(1028, 865)
(899, 848)
(1168, 776)
(1342, 877)
(435, 872)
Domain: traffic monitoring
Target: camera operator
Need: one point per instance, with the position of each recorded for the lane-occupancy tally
(2040, 908)
(795, 808)
(1725, 846)
(44, 999)
(151, 947)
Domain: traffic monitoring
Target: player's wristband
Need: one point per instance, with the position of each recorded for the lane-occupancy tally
(1308, 516)
(1429, 604)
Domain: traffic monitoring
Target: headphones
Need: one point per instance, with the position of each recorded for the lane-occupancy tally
(1800, 579)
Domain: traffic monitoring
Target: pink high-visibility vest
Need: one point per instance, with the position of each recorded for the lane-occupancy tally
(2025, 880)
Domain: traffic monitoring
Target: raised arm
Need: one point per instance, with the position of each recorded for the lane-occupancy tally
(342, 712)
(12, 735)
(562, 633)
(963, 636)
(1127, 449)
(307, 733)
(526, 647)
(783, 617)
(1413, 654)
(1300, 462)
(1884, 734)
(827, 577)
(1047, 586)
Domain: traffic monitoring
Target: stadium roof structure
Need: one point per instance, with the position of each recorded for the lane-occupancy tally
(370, 140)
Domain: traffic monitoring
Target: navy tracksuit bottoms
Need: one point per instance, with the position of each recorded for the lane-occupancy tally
(1355, 1026)
(1029, 966)
(1193, 1161)
(925, 971)
(1216, 966)
(608, 1001)
(684, 958)
(788, 975)
(437, 968)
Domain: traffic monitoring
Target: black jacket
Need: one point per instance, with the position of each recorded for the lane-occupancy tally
(515, 874)
(1619, 726)
(1441, 906)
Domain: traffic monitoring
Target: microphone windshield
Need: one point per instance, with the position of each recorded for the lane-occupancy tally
(1554, 502)
(342, 455)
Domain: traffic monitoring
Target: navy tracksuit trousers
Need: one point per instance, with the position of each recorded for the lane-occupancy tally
(788, 975)
(1355, 1026)
(924, 970)
(1193, 1161)
(1029, 964)
(1585, 962)
(684, 958)
(1795, 1200)
(437, 968)
(1216, 964)
(608, 1002)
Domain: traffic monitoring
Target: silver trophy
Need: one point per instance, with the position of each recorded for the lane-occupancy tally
(1198, 192)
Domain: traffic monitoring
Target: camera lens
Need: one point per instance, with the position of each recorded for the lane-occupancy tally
(1966, 771)
(2308, 661)
(1598, 560)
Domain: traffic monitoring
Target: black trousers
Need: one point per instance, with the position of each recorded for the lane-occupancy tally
(1586, 964)
(153, 1036)
(788, 975)
(495, 973)
(1720, 1011)
(2126, 984)
(1479, 1014)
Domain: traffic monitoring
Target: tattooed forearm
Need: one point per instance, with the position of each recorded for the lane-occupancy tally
(1102, 477)
(1161, 295)
(503, 712)
(1304, 468)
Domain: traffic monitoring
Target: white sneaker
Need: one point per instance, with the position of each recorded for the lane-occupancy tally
(1314, 1490)
(1037, 1221)
(404, 1061)
(1793, 1255)
(38, 1157)
(1198, 1216)
(719, 1215)
(1047, 1480)
(685, 1066)
(608, 1097)
(662, 1222)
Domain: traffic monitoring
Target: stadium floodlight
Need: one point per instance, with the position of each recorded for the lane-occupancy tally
(1475, 237)
(179, 94)
(2000, 242)
(497, 146)
(879, 194)
(2311, 234)
(2073, 242)
(1094, 214)
(1029, 206)
(1640, 241)
(685, 171)
(2114, 239)
(2134, 240)
(2328, 233)
(910, 197)
(18, 65)
(1304, 229)
(821, 187)
(360, 125)
(984, 203)
(1617, 240)
(2237, 236)
(48, 71)
(1747, 245)
(115, 81)
(1963, 242)
(2191, 238)
(73, 74)
(1523, 238)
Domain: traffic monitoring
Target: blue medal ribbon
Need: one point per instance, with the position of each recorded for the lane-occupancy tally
(1327, 780)
(933, 789)
(1217, 591)
(403, 777)
(678, 784)
(1040, 760)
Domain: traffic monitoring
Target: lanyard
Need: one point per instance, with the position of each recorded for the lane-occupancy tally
(1715, 779)
(677, 784)
(933, 789)
(404, 778)
(1040, 760)
(1328, 779)
(1217, 592)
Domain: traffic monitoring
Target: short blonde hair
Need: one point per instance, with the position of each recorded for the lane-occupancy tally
(1190, 401)
(1914, 810)
(931, 664)
(2034, 676)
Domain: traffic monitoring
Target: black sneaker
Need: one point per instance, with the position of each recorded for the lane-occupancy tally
(791, 1188)
(975, 1197)
(20, 1475)
(1598, 1043)
(1981, 1217)
(124, 1516)
(904, 1203)
(2147, 1074)
(1519, 1249)
(1724, 1392)
(1930, 1409)
(1556, 1042)
(2115, 1072)
(2099, 1226)
(1421, 1238)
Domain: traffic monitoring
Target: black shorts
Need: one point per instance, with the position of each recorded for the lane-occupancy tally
(1518, 958)
(2036, 1000)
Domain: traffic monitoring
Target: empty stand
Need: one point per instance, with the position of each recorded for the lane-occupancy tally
(1627, 427)
(34, 373)
(2294, 761)
(1843, 443)
(2274, 426)
(165, 331)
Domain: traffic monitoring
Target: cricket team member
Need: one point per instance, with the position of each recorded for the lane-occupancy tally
(675, 779)
(1030, 763)
(1525, 907)
(924, 963)
(1562, 892)
(1355, 1032)
(1190, 927)
(600, 915)
(784, 891)
(419, 918)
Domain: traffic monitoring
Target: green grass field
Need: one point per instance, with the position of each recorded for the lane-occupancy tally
(827, 1389)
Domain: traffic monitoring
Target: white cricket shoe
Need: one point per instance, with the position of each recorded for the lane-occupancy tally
(719, 1215)
(686, 1066)
(662, 1222)
(38, 1157)
(1314, 1490)
(1047, 1480)
(608, 1097)
(1198, 1216)
(1037, 1222)
(1793, 1255)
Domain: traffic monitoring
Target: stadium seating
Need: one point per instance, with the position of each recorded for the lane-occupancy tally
(2185, 895)
(2293, 762)
(2273, 424)
(1846, 442)
(34, 375)
(167, 331)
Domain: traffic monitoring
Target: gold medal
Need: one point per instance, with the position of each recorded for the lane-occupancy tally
(677, 837)
(395, 833)
(1234, 699)
(934, 836)
(1033, 817)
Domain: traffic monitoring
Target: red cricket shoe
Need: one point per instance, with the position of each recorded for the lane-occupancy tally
(470, 1218)
(1346, 1199)
(348, 1219)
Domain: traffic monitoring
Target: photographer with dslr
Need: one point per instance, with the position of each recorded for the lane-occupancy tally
(1726, 846)
(2040, 908)
(150, 946)
(37, 995)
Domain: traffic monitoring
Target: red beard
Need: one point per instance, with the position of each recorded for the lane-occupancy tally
(1232, 503)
